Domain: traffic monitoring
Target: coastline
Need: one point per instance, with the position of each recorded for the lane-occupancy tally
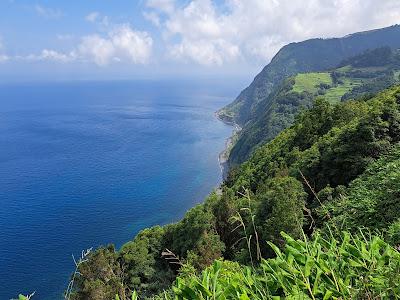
(230, 141)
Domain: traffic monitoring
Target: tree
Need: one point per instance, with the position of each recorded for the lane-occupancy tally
(281, 202)
(144, 268)
(101, 276)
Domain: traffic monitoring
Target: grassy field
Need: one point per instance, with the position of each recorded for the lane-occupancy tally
(310, 81)
(334, 94)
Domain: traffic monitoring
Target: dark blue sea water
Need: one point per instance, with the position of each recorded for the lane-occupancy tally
(90, 163)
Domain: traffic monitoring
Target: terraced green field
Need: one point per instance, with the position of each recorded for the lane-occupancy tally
(334, 94)
(310, 81)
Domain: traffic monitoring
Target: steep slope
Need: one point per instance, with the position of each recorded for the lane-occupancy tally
(371, 200)
(366, 73)
(332, 146)
(308, 56)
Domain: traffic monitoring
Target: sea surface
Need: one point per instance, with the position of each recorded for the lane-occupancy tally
(89, 163)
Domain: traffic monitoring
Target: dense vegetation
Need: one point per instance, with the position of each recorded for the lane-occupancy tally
(316, 173)
(362, 75)
(371, 200)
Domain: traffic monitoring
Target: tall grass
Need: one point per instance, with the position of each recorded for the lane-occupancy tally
(360, 266)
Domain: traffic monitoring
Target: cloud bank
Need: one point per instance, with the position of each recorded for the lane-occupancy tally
(212, 32)
(120, 43)
(253, 30)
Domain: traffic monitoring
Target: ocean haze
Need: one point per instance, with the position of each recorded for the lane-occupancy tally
(89, 163)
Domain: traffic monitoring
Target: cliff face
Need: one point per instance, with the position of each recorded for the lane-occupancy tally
(308, 56)
(269, 104)
(359, 76)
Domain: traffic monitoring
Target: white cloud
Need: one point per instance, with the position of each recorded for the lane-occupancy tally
(97, 49)
(48, 13)
(122, 43)
(204, 52)
(118, 43)
(50, 55)
(166, 6)
(135, 45)
(253, 30)
(65, 37)
(92, 17)
(98, 19)
(3, 56)
(152, 17)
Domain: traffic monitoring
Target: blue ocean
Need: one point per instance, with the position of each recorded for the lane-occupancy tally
(84, 164)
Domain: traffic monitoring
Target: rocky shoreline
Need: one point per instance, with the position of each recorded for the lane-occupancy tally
(230, 141)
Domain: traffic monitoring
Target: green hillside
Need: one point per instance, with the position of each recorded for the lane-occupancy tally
(315, 173)
(309, 56)
(298, 92)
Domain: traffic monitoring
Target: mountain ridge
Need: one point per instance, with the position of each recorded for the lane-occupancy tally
(313, 55)
(286, 63)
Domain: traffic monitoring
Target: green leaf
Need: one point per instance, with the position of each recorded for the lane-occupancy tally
(308, 266)
(328, 295)
(135, 295)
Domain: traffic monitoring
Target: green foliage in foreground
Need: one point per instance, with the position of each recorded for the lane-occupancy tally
(350, 267)
(23, 297)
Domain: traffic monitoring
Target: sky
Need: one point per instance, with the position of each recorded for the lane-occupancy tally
(71, 39)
